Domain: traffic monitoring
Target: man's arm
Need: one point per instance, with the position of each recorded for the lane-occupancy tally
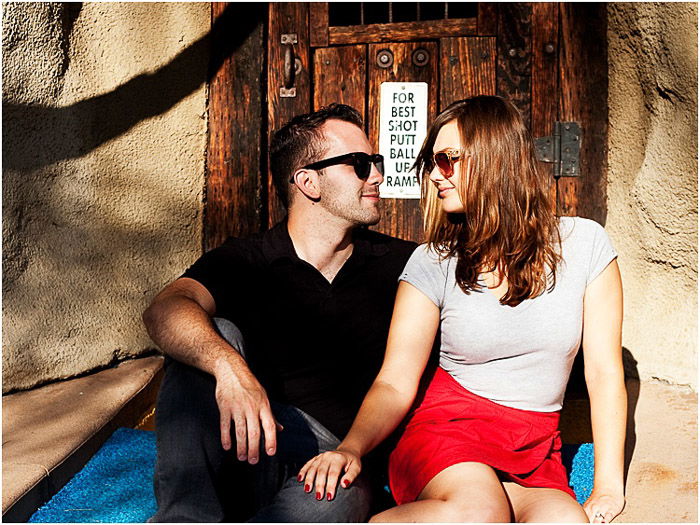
(179, 320)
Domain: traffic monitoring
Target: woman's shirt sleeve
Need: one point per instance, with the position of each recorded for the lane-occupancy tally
(602, 251)
(425, 271)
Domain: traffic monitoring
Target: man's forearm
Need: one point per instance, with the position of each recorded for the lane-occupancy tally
(183, 330)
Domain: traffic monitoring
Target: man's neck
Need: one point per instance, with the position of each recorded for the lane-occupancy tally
(325, 244)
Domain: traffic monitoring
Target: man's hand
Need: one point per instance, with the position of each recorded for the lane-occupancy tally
(179, 322)
(241, 398)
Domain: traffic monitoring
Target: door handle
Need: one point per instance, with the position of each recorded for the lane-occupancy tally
(288, 66)
(291, 66)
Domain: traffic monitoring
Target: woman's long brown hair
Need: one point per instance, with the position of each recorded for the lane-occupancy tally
(508, 225)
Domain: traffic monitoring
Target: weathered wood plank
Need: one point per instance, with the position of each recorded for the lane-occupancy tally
(401, 31)
(401, 217)
(285, 18)
(487, 19)
(340, 75)
(514, 55)
(467, 68)
(233, 203)
(583, 77)
(318, 24)
(545, 77)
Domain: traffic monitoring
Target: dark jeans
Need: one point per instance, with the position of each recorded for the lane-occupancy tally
(196, 480)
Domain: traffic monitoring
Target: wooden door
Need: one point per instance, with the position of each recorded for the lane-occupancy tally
(548, 58)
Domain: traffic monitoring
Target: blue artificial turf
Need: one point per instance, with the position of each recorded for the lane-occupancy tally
(578, 460)
(116, 485)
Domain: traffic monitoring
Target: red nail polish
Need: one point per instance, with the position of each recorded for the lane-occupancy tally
(307, 488)
(299, 478)
(319, 497)
(329, 496)
(345, 483)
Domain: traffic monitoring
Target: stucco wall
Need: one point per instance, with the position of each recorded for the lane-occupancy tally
(652, 191)
(104, 140)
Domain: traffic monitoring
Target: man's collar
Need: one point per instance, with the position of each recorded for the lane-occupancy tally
(366, 242)
(277, 244)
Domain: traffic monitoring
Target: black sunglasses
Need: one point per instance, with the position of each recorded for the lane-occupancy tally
(362, 162)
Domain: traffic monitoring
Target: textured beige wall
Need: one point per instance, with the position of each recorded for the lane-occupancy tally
(104, 140)
(652, 191)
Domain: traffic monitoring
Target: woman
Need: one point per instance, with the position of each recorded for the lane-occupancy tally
(513, 291)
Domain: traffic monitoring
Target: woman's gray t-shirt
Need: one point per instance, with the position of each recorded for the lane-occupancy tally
(518, 356)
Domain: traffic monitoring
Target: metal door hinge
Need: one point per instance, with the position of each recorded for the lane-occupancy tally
(562, 149)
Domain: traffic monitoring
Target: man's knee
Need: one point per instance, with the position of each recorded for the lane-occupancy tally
(349, 505)
(292, 504)
(231, 334)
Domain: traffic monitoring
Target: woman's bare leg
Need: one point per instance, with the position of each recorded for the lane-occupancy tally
(466, 492)
(537, 505)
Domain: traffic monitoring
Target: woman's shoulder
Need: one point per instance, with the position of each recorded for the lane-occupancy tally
(430, 255)
(429, 259)
(585, 243)
(579, 229)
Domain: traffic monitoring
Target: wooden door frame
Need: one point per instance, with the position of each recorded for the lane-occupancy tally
(569, 86)
(235, 200)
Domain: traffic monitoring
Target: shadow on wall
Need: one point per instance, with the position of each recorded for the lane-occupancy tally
(91, 280)
(112, 114)
(632, 383)
(69, 15)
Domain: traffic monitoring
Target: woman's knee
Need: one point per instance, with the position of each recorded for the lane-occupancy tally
(552, 511)
(572, 516)
(467, 510)
(569, 512)
(470, 492)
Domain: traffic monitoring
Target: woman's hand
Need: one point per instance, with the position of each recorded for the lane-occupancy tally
(323, 472)
(603, 507)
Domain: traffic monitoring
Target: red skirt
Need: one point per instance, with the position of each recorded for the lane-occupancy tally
(451, 425)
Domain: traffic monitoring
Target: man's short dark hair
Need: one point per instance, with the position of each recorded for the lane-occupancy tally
(300, 142)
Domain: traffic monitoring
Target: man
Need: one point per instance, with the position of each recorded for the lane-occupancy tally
(308, 304)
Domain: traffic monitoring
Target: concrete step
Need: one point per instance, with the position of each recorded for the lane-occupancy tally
(50, 432)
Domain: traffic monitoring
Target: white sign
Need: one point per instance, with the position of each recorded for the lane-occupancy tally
(403, 123)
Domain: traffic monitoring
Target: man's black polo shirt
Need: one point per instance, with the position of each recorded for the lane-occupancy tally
(312, 344)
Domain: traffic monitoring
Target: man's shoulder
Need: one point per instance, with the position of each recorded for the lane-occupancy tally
(238, 253)
(261, 248)
(241, 245)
